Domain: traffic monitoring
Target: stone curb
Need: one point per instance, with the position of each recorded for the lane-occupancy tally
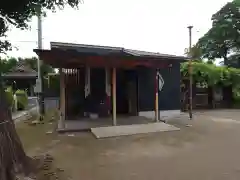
(24, 115)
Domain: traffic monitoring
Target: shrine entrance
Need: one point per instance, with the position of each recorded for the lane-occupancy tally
(127, 92)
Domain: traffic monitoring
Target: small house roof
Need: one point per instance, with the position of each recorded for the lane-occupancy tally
(67, 55)
(21, 70)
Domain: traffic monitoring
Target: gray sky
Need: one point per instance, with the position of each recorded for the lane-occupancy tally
(151, 25)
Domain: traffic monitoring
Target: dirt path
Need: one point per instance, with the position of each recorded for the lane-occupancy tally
(208, 150)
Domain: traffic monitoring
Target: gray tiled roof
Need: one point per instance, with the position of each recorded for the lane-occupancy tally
(21, 70)
(106, 50)
(83, 48)
(151, 54)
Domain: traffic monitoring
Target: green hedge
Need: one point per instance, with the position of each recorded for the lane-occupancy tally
(9, 96)
(211, 74)
(22, 99)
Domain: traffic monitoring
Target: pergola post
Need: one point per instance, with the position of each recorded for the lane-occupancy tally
(62, 99)
(156, 97)
(108, 89)
(114, 107)
(87, 87)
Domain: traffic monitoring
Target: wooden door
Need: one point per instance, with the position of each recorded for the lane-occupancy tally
(132, 97)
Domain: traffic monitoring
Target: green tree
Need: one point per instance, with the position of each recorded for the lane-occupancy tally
(10, 63)
(211, 74)
(195, 53)
(234, 60)
(7, 64)
(223, 38)
(17, 13)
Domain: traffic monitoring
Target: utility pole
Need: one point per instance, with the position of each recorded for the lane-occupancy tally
(1, 81)
(190, 74)
(39, 79)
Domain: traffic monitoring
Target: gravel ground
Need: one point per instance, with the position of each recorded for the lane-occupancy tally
(209, 150)
(206, 150)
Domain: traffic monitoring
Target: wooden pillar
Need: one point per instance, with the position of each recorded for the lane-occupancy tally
(114, 107)
(62, 99)
(87, 88)
(87, 81)
(48, 81)
(156, 97)
(108, 89)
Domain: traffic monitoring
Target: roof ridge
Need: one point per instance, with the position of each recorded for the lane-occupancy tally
(55, 44)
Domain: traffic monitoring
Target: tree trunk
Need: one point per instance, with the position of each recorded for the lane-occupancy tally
(12, 156)
(225, 60)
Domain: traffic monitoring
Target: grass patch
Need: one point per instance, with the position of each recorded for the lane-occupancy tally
(33, 137)
(37, 139)
(36, 136)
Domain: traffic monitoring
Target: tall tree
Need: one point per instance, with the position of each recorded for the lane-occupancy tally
(8, 64)
(17, 13)
(195, 53)
(234, 60)
(223, 38)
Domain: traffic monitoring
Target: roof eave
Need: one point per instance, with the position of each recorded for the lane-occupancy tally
(180, 58)
(123, 51)
(61, 44)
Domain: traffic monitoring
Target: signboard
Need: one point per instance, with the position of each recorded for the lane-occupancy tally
(160, 81)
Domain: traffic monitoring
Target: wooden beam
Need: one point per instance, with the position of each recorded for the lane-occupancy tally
(62, 99)
(114, 108)
(156, 97)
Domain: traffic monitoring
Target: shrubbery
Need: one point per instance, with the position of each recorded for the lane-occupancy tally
(9, 96)
(214, 76)
(22, 99)
(211, 74)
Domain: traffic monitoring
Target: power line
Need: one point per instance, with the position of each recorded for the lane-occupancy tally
(18, 41)
(22, 41)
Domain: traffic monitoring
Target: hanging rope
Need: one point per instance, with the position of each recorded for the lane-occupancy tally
(87, 82)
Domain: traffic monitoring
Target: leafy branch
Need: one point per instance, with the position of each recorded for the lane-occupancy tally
(211, 74)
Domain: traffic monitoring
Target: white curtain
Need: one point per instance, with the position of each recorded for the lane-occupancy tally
(107, 82)
(87, 82)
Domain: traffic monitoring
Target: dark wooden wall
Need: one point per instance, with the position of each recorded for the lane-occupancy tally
(169, 97)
